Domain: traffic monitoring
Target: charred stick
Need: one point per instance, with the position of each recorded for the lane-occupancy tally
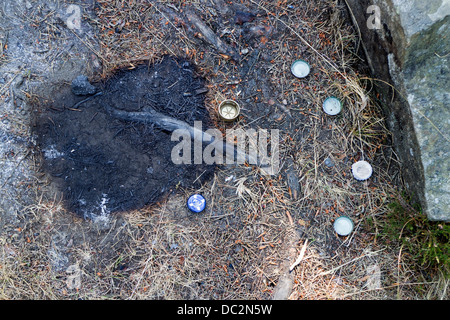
(76, 105)
(170, 124)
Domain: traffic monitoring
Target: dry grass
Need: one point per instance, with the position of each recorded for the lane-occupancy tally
(234, 250)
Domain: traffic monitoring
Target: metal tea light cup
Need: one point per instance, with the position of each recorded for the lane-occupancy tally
(229, 110)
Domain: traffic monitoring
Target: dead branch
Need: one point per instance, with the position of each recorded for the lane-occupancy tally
(210, 36)
(170, 124)
(300, 256)
(292, 180)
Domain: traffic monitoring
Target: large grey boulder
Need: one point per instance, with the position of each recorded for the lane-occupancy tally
(409, 48)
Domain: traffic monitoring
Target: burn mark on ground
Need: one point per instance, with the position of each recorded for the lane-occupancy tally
(102, 164)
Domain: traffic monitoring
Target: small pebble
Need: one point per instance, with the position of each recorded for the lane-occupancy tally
(329, 163)
(243, 17)
(82, 87)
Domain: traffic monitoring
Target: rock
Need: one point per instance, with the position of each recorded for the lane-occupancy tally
(329, 163)
(243, 17)
(244, 51)
(201, 90)
(82, 87)
(408, 48)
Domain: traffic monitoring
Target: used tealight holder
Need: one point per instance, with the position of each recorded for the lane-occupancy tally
(332, 106)
(196, 203)
(229, 110)
(362, 170)
(300, 68)
(343, 226)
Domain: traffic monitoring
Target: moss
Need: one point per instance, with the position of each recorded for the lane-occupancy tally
(428, 242)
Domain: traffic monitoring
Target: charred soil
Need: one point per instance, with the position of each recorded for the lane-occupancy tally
(101, 164)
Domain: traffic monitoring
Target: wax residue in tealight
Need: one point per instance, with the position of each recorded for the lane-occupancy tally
(300, 69)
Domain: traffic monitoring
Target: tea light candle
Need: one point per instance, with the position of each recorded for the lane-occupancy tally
(300, 68)
(332, 106)
(343, 226)
(362, 170)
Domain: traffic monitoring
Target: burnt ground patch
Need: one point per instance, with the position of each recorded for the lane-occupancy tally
(101, 164)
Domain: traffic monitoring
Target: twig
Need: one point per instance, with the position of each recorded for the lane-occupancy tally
(291, 222)
(348, 262)
(76, 105)
(440, 55)
(300, 256)
(355, 22)
(398, 269)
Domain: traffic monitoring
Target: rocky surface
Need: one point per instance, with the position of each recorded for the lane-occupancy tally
(409, 50)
